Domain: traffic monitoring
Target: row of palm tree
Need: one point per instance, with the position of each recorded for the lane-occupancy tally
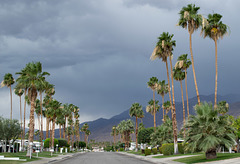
(32, 82)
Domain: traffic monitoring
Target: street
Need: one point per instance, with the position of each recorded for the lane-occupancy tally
(102, 158)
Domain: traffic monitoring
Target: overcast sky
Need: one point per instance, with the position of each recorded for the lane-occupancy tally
(97, 51)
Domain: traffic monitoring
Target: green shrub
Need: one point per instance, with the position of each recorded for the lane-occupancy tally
(121, 149)
(168, 149)
(180, 148)
(147, 152)
(160, 149)
(68, 149)
(62, 142)
(154, 150)
(46, 143)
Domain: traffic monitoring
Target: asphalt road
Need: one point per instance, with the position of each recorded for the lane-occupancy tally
(102, 158)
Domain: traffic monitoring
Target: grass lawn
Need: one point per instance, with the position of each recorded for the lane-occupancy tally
(134, 152)
(21, 155)
(167, 156)
(202, 158)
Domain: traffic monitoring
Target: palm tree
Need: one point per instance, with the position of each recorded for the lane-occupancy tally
(215, 30)
(8, 81)
(76, 125)
(66, 112)
(136, 111)
(114, 133)
(223, 107)
(162, 89)
(191, 20)
(206, 130)
(184, 63)
(180, 76)
(150, 109)
(32, 75)
(153, 85)
(54, 111)
(60, 121)
(87, 133)
(163, 50)
(19, 92)
(84, 129)
(125, 128)
(38, 112)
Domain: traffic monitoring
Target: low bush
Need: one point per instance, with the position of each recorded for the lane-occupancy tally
(160, 150)
(180, 148)
(147, 152)
(154, 150)
(121, 149)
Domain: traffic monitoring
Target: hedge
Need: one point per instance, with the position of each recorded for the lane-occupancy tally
(62, 142)
(46, 143)
(147, 152)
(160, 150)
(168, 149)
(154, 150)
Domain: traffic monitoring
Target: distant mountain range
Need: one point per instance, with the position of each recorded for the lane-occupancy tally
(101, 128)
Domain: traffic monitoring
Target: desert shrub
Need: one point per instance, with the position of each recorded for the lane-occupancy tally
(154, 150)
(147, 152)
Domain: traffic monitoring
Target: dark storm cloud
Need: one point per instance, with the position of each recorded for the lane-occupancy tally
(98, 51)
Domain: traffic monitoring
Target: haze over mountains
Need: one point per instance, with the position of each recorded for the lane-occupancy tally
(101, 128)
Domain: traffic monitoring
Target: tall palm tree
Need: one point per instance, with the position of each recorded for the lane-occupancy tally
(114, 133)
(184, 63)
(180, 76)
(76, 125)
(84, 129)
(66, 112)
(137, 112)
(88, 132)
(215, 30)
(38, 112)
(60, 121)
(191, 20)
(32, 76)
(167, 106)
(54, 111)
(125, 128)
(150, 109)
(19, 92)
(152, 83)
(162, 89)
(163, 50)
(8, 81)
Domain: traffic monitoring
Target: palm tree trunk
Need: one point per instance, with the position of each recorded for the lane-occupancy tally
(47, 127)
(183, 110)
(31, 125)
(24, 116)
(216, 75)
(39, 126)
(64, 128)
(21, 120)
(60, 131)
(186, 91)
(194, 74)
(11, 101)
(154, 111)
(41, 131)
(136, 134)
(163, 108)
(53, 132)
(174, 119)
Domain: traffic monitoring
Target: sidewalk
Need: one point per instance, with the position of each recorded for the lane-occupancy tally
(54, 159)
(157, 160)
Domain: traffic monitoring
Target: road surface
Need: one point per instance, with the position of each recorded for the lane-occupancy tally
(102, 158)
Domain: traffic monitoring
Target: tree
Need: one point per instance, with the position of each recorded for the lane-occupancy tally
(38, 113)
(87, 133)
(8, 81)
(125, 128)
(215, 29)
(66, 112)
(163, 134)
(84, 129)
(164, 50)
(60, 121)
(162, 89)
(236, 125)
(206, 130)
(184, 63)
(180, 76)
(76, 125)
(19, 92)
(32, 75)
(137, 112)
(114, 133)
(144, 135)
(191, 20)
(150, 109)
(153, 85)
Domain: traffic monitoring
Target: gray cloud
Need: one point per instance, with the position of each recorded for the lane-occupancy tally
(98, 51)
